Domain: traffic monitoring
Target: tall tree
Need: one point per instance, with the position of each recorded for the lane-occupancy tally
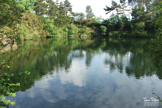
(157, 8)
(68, 6)
(52, 9)
(57, 6)
(61, 9)
(89, 12)
(79, 16)
(41, 7)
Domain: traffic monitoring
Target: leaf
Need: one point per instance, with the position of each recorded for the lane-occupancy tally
(17, 84)
(13, 94)
(12, 103)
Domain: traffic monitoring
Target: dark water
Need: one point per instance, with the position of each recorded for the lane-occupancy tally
(73, 73)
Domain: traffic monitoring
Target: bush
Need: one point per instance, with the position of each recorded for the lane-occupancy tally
(31, 27)
(72, 30)
(103, 30)
(138, 26)
(7, 88)
(65, 31)
(114, 33)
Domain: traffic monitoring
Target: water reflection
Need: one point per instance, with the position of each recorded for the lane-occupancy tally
(68, 73)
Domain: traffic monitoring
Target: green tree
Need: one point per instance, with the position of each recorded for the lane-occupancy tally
(28, 4)
(41, 7)
(68, 6)
(10, 16)
(120, 8)
(10, 13)
(89, 12)
(61, 9)
(103, 30)
(79, 16)
(52, 9)
(157, 8)
(97, 19)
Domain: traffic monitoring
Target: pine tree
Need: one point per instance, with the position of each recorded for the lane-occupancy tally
(120, 8)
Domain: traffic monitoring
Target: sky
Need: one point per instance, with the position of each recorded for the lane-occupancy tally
(96, 5)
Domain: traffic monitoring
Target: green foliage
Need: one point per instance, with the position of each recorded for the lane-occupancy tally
(103, 30)
(28, 4)
(7, 88)
(31, 27)
(62, 21)
(138, 27)
(52, 9)
(83, 22)
(78, 16)
(68, 6)
(115, 33)
(120, 8)
(72, 30)
(61, 10)
(97, 20)
(83, 31)
(65, 31)
(9, 13)
(157, 8)
(10, 16)
(48, 24)
(89, 12)
(124, 34)
(41, 7)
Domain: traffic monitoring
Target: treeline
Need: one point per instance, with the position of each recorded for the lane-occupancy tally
(30, 19)
(145, 19)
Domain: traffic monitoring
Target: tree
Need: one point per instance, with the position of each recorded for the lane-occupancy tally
(68, 6)
(79, 16)
(10, 13)
(89, 12)
(61, 9)
(28, 4)
(52, 9)
(157, 8)
(97, 19)
(41, 7)
(120, 8)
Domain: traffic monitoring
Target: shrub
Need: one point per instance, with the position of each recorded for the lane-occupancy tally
(65, 31)
(103, 30)
(72, 30)
(31, 27)
(138, 26)
(7, 88)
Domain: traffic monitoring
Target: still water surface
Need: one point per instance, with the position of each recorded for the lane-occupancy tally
(72, 73)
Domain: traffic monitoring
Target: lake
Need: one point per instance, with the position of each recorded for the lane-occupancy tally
(84, 73)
